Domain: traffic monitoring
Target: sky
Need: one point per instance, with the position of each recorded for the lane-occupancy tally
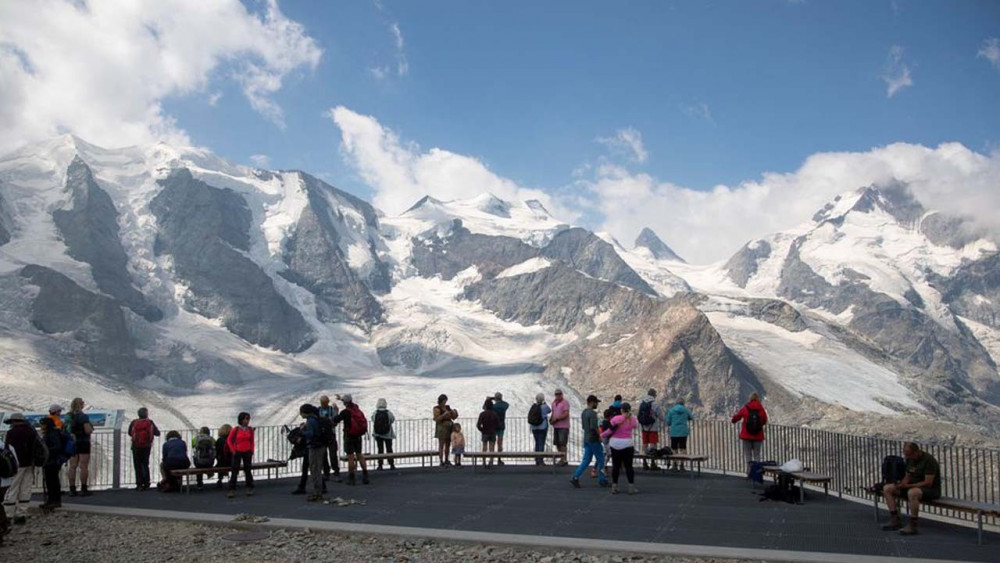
(711, 122)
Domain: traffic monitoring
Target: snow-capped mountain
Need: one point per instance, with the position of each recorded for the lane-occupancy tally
(167, 276)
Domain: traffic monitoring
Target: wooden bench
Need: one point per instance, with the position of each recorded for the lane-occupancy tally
(187, 473)
(513, 455)
(980, 509)
(688, 458)
(422, 455)
(802, 477)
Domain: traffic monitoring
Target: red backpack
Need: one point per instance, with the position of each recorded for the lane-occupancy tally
(359, 424)
(142, 433)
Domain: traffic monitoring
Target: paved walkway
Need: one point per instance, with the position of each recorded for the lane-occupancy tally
(710, 510)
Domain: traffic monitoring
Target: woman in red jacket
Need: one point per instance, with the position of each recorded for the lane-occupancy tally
(754, 419)
(240, 442)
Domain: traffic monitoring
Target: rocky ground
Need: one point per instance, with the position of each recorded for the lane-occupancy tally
(66, 536)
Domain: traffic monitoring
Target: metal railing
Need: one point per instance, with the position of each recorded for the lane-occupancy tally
(853, 462)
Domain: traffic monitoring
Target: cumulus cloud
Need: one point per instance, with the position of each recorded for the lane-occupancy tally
(260, 160)
(990, 50)
(626, 142)
(896, 74)
(101, 69)
(710, 225)
(401, 173)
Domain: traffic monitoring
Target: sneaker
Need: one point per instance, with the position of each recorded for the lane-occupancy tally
(909, 530)
(299, 492)
(231, 494)
(249, 492)
(575, 483)
(603, 483)
(614, 489)
(314, 498)
(632, 490)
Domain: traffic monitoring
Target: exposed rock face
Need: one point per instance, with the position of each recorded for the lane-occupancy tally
(559, 297)
(461, 249)
(973, 291)
(95, 322)
(584, 251)
(671, 347)
(206, 232)
(91, 234)
(776, 312)
(6, 224)
(647, 239)
(316, 262)
(948, 230)
(743, 265)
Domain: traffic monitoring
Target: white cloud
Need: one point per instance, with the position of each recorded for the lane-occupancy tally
(897, 73)
(380, 72)
(402, 65)
(213, 98)
(990, 50)
(627, 141)
(101, 69)
(710, 225)
(260, 160)
(700, 110)
(401, 173)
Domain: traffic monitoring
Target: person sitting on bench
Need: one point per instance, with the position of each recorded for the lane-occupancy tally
(922, 482)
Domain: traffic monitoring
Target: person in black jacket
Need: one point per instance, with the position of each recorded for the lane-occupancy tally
(223, 455)
(25, 442)
(53, 464)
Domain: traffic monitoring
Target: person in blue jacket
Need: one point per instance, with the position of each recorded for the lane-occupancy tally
(677, 425)
(312, 432)
(175, 456)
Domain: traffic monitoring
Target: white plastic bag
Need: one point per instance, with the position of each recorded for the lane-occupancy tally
(792, 466)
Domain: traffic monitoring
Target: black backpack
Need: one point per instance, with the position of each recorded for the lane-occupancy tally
(204, 451)
(645, 416)
(893, 469)
(382, 426)
(8, 463)
(755, 422)
(535, 414)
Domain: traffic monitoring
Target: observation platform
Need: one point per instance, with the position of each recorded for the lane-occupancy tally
(711, 511)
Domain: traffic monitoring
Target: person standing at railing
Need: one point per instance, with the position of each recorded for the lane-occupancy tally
(444, 418)
(922, 482)
(678, 419)
(538, 420)
(754, 419)
(560, 425)
(355, 427)
(500, 407)
(27, 444)
(55, 415)
(593, 449)
(331, 458)
(81, 429)
(5, 483)
(487, 425)
(316, 447)
(223, 455)
(384, 431)
(53, 464)
(241, 443)
(142, 431)
(649, 418)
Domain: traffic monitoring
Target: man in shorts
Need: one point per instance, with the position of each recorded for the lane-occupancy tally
(500, 407)
(560, 425)
(922, 482)
(352, 438)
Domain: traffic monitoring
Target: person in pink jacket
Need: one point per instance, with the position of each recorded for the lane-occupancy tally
(622, 447)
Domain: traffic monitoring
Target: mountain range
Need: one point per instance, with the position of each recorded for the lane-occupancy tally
(168, 277)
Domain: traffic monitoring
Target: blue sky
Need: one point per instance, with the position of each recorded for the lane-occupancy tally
(527, 86)
(712, 122)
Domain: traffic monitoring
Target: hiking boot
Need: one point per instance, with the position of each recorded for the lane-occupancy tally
(72, 491)
(299, 492)
(653, 466)
(392, 466)
(231, 494)
(910, 529)
(336, 478)
(632, 490)
(575, 482)
(614, 489)
(250, 492)
(84, 492)
(379, 468)
(364, 479)
(500, 462)
(314, 498)
(893, 525)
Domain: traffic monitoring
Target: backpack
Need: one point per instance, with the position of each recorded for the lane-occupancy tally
(645, 416)
(8, 463)
(382, 426)
(756, 471)
(204, 451)
(68, 444)
(893, 469)
(755, 423)
(359, 424)
(535, 415)
(39, 452)
(326, 436)
(142, 433)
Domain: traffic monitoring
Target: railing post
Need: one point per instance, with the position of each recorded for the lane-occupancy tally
(116, 458)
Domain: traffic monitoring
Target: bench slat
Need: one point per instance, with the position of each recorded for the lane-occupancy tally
(965, 505)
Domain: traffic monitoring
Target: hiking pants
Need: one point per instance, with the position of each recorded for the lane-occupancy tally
(4, 521)
(246, 460)
(540, 436)
(751, 450)
(53, 485)
(316, 457)
(385, 444)
(591, 451)
(620, 458)
(140, 463)
(333, 461)
(15, 502)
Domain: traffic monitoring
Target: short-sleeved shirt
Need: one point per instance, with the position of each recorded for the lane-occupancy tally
(918, 469)
(500, 407)
(560, 408)
(78, 427)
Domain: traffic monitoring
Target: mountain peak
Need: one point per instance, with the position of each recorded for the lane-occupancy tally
(647, 239)
(489, 203)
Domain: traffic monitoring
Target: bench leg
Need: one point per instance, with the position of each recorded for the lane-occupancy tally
(980, 528)
(875, 506)
(802, 492)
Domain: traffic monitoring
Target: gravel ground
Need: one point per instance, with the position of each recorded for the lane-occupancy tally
(68, 537)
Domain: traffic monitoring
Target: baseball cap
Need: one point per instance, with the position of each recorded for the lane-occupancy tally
(54, 408)
(347, 398)
(593, 399)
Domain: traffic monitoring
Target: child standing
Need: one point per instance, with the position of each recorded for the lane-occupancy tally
(457, 443)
